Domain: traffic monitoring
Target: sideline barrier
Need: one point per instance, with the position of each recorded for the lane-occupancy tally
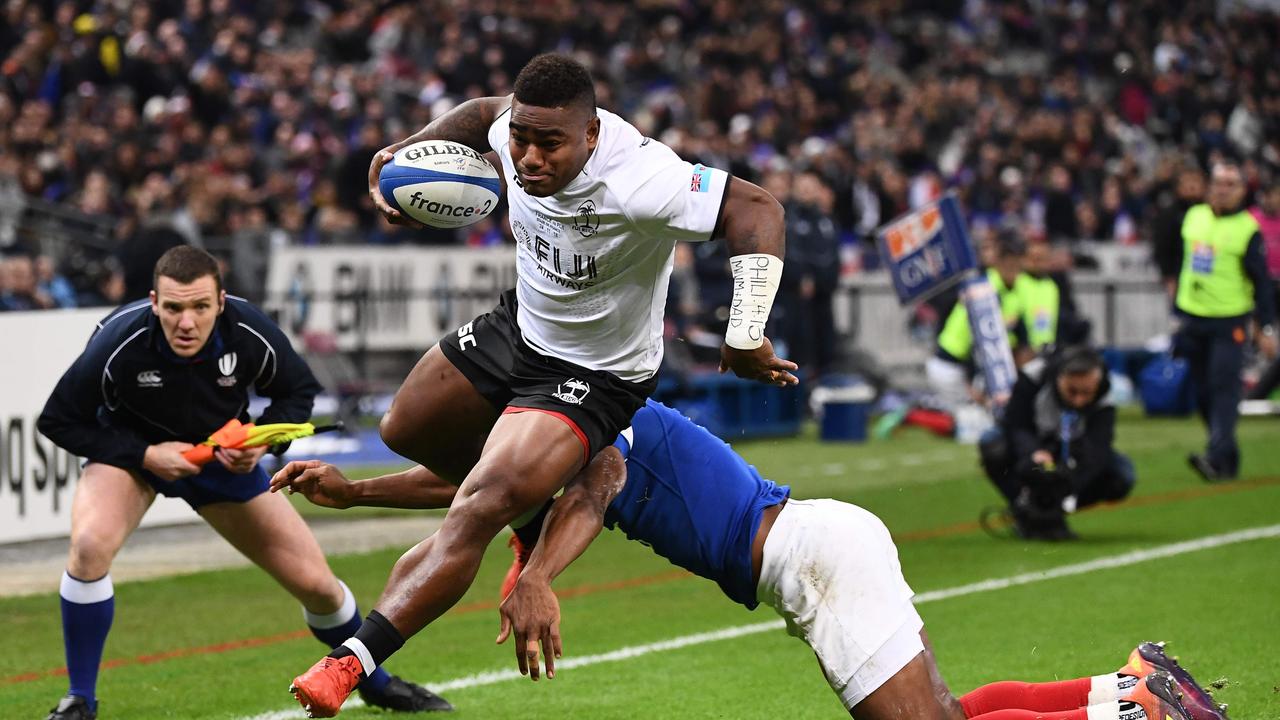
(406, 298)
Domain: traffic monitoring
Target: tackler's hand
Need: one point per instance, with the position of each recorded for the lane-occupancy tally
(760, 364)
(319, 482)
(532, 613)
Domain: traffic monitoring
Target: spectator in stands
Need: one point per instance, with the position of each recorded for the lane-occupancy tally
(813, 272)
(1053, 451)
(18, 288)
(106, 285)
(1166, 230)
(53, 284)
(197, 112)
(1267, 213)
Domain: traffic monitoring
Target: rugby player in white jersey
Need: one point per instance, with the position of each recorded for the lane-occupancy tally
(512, 405)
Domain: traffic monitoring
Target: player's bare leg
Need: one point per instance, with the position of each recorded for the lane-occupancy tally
(108, 505)
(527, 458)
(946, 699)
(438, 419)
(912, 692)
(268, 531)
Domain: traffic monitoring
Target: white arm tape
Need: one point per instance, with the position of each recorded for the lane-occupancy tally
(755, 283)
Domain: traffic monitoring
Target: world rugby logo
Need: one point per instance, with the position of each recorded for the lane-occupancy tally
(227, 363)
(572, 391)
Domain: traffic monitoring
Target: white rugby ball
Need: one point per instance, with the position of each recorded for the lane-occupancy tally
(440, 183)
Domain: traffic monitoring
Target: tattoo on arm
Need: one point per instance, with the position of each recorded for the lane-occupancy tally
(467, 124)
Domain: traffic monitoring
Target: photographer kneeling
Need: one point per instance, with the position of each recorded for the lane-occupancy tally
(1052, 452)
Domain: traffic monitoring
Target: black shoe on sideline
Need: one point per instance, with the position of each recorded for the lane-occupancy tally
(403, 696)
(73, 707)
(1206, 470)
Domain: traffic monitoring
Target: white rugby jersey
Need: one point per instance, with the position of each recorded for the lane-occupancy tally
(593, 261)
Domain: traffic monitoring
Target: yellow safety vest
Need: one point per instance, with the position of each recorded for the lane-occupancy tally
(956, 339)
(1213, 282)
(1040, 305)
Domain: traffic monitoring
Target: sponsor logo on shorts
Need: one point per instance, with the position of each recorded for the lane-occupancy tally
(150, 378)
(572, 391)
(466, 334)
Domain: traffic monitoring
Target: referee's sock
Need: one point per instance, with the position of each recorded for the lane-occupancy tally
(338, 626)
(88, 607)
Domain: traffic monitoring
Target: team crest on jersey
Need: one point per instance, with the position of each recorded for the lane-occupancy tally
(572, 391)
(586, 220)
(150, 378)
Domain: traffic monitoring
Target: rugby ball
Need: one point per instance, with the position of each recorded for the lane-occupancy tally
(440, 183)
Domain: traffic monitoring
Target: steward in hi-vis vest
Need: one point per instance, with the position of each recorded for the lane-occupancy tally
(1223, 282)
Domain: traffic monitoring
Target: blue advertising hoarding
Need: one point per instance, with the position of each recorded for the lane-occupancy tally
(927, 250)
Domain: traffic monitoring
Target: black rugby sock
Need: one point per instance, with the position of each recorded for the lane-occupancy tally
(532, 530)
(378, 636)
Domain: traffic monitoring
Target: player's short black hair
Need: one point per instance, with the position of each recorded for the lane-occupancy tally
(186, 264)
(553, 80)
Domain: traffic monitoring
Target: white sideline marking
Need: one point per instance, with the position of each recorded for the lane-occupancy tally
(627, 653)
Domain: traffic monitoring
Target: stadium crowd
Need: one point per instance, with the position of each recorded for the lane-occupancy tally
(224, 118)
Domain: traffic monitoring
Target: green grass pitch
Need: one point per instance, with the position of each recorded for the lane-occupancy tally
(225, 644)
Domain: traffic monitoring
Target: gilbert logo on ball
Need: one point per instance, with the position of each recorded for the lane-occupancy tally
(440, 183)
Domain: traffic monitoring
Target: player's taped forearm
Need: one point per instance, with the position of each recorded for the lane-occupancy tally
(755, 284)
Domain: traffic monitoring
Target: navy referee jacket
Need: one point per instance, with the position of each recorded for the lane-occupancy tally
(129, 390)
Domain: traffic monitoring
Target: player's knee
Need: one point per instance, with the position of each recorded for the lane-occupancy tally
(395, 431)
(91, 553)
(491, 501)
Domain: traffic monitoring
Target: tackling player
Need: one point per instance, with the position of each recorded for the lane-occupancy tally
(830, 569)
(512, 405)
(157, 376)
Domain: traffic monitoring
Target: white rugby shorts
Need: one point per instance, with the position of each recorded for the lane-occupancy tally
(831, 571)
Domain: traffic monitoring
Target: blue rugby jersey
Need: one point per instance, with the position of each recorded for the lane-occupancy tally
(692, 499)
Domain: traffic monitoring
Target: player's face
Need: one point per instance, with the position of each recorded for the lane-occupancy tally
(550, 146)
(1080, 389)
(187, 312)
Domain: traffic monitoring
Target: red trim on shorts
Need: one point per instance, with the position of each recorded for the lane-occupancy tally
(586, 446)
